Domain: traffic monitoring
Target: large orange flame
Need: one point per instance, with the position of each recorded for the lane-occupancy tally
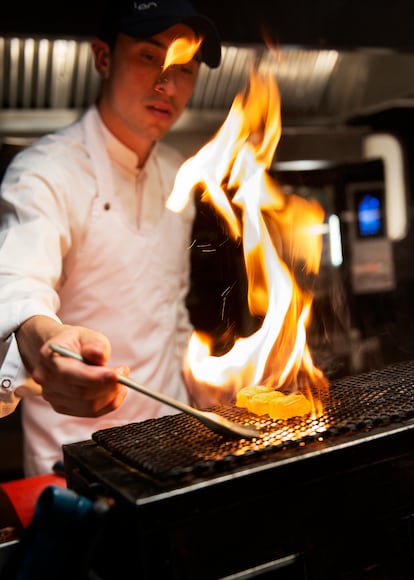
(279, 233)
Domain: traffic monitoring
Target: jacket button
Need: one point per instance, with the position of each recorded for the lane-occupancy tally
(6, 383)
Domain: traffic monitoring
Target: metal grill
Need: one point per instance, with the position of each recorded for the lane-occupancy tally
(178, 447)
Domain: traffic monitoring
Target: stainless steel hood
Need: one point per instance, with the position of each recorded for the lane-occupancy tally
(318, 87)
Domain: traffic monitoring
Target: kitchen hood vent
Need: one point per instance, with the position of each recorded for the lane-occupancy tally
(44, 82)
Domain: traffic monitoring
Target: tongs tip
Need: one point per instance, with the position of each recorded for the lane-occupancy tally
(224, 426)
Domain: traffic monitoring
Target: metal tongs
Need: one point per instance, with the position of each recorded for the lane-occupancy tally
(213, 421)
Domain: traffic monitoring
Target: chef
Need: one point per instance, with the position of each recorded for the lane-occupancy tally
(90, 257)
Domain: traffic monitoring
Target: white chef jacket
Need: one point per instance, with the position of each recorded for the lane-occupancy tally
(91, 243)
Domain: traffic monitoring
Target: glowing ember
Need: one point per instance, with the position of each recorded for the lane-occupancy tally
(182, 50)
(279, 233)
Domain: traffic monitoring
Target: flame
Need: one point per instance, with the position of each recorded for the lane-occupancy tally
(279, 233)
(182, 50)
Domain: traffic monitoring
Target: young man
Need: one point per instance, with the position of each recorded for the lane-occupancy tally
(90, 258)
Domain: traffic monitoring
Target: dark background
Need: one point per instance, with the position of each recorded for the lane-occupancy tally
(319, 23)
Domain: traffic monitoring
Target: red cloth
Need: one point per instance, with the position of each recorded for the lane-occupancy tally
(24, 493)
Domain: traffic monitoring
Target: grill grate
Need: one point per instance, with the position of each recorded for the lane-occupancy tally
(179, 447)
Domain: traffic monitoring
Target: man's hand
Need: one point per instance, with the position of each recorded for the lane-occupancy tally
(70, 386)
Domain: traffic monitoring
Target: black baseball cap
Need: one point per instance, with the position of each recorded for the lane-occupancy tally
(144, 18)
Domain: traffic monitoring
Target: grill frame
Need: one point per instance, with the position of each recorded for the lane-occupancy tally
(320, 506)
(340, 506)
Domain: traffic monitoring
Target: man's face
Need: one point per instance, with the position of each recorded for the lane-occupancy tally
(143, 98)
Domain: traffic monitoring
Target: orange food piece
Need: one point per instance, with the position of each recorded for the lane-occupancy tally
(262, 400)
(247, 393)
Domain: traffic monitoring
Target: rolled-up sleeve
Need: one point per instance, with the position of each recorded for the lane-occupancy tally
(44, 205)
(45, 201)
(34, 237)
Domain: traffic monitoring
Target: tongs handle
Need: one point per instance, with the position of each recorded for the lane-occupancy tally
(163, 398)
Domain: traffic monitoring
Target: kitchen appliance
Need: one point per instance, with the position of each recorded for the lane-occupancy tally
(324, 498)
